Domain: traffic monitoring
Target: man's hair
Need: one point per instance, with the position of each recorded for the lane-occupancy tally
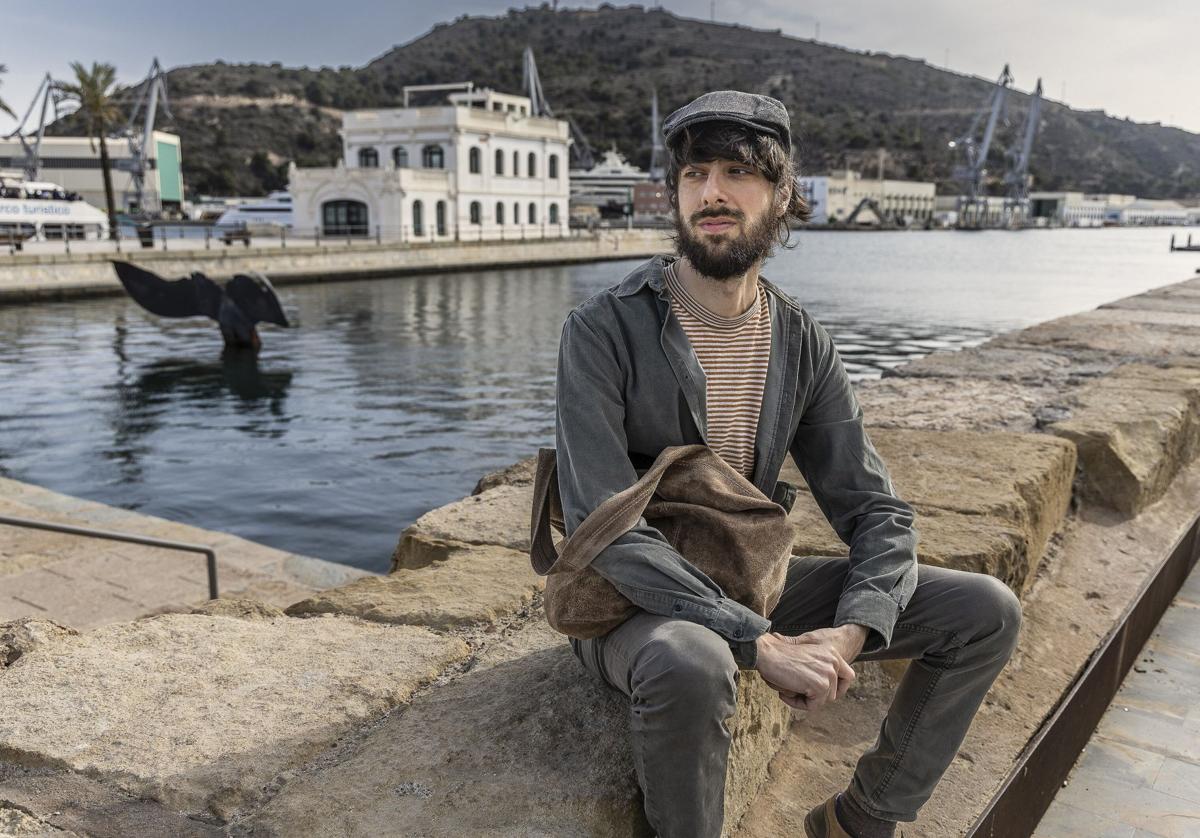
(708, 141)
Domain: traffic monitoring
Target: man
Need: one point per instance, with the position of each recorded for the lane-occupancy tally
(701, 348)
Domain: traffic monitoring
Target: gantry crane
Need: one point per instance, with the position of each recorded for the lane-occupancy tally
(579, 147)
(970, 173)
(1016, 175)
(49, 95)
(153, 89)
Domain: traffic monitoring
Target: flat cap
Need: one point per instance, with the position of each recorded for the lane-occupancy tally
(754, 110)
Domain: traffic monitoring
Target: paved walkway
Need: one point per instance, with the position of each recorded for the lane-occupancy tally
(1139, 775)
(84, 582)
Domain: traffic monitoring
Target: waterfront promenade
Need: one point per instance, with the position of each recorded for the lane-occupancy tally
(434, 700)
(33, 276)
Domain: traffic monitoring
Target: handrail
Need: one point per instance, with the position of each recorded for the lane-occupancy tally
(208, 552)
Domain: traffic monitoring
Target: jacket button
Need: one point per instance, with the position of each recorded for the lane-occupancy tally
(737, 634)
(678, 607)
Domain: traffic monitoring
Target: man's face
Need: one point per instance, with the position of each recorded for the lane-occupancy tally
(727, 220)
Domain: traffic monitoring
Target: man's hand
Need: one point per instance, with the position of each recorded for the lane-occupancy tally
(848, 639)
(806, 672)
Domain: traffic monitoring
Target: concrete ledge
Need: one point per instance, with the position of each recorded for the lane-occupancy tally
(37, 277)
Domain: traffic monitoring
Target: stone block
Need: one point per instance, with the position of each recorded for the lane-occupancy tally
(1123, 334)
(202, 712)
(520, 473)
(976, 543)
(1025, 365)
(1018, 482)
(1134, 429)
(497, 516)
(952, 404)
(472, 585)
(526, 743)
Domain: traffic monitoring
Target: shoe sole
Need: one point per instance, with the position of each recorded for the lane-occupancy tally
(814, 823)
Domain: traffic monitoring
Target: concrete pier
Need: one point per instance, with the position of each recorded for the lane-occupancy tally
(40, 276)
(434, 700)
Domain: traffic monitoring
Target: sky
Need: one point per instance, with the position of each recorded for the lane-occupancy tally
(1124, 58)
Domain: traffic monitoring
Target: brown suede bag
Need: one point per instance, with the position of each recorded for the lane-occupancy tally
(709, 512)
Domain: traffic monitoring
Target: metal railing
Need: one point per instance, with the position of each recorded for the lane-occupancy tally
(209, 554)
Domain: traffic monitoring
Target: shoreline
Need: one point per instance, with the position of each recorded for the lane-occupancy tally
(32, 278)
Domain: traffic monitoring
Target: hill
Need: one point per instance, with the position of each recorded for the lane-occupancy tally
(241, 123)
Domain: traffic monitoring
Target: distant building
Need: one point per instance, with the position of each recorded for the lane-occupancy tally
(1146, 211)
(835, 197)
(1074, 209)
(74, 163)
(991, 210)
(608, 186)
(478, 167)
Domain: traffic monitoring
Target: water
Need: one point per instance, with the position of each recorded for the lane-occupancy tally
(392, 397)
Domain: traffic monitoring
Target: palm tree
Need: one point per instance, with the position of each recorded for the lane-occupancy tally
(3, 106)
(92, 90)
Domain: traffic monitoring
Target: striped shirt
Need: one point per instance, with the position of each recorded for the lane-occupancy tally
(733, 352)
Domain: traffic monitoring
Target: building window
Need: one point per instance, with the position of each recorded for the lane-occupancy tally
(499, 162)
(344, 218)
(553, 174)
(531, 169)
(368, 158)
(441, 218)
(400, 157)
(418, 219)
(499, 212)
(473, 160)
(532, 213)
(554, 213)
(516, 213)
(516, 164)
(432, 157)
(476, 213)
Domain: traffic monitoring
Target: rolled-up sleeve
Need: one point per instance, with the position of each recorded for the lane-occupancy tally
(851, 485)
(594, 464)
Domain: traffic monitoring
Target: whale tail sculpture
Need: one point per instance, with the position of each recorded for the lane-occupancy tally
(244, 301)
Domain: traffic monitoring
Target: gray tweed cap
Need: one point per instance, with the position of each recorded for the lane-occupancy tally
(754, 110)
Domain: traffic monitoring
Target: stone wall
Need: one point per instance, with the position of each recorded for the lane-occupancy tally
(32, 277)
(435, 700)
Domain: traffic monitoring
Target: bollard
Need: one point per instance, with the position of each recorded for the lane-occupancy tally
(282, 237)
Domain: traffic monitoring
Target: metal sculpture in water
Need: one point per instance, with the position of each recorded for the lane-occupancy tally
(237, 306)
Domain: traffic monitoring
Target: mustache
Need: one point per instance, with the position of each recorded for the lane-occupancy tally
(736, 215)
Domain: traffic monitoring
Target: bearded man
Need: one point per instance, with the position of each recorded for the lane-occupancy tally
(698, 347)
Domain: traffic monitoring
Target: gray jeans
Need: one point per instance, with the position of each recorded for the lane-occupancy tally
(959, 629)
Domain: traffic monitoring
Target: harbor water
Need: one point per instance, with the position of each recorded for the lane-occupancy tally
(391, 397)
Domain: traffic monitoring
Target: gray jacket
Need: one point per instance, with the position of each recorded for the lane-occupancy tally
(629, 385)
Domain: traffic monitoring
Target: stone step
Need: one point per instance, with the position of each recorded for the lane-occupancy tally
(1015, 487)
(525, 743)
(1134, 428)
(203, 712)
(499, 516)
(472, 585)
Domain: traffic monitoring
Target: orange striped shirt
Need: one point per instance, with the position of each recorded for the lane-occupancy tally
(733, 352)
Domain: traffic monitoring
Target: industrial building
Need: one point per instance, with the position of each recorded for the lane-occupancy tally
(479, 167)
(74, 164)
(834, 198)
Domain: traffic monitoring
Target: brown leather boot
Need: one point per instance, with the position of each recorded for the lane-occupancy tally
(822, 822)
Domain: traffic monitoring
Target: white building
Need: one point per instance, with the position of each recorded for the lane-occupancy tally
(1147, 211)
(478, 167)
(834, 197)
(74, 163)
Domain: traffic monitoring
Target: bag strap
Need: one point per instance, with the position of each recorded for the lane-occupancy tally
(607, 522)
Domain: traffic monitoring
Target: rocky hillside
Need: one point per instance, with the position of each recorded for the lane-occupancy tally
(241, 123)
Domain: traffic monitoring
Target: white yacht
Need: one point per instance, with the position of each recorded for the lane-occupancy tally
(607, 185)
(275, 210)
(39, 210)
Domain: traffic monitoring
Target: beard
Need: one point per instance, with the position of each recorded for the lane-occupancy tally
(723, 256)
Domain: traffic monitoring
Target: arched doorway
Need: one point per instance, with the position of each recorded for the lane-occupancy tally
(344, 218)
